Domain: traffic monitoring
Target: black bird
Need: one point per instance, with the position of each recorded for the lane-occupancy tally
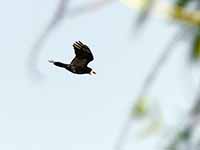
(79, 64)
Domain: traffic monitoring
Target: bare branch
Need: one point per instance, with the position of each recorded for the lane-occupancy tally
(35, 51)
(148, 84)
(87, 8)
(184, 136)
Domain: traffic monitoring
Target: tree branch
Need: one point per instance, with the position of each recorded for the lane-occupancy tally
(149, 81)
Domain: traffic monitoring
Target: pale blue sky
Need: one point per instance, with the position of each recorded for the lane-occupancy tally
(71, 112)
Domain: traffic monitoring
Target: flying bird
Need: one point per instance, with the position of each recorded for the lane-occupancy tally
(78, 65)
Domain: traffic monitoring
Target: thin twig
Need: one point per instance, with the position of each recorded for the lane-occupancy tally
(88, 8)
(123, 134)
(144, 15)
(160, 62)
(150, 79)
(195, 111)
(35, 51)
(193, 120)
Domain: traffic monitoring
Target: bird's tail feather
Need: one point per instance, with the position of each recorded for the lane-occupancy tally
(59, 64)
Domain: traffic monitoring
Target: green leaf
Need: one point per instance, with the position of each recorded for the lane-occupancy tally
(141, 108)
(196, 46)
(182, 3)
(185, 134)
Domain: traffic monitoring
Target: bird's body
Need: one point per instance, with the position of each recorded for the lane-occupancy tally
(79, 64)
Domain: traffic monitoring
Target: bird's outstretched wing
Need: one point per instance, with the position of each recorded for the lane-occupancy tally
(82, 51)
(83, 54)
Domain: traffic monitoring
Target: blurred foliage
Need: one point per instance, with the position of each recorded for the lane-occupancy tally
(144, 109)
(196, 45)
(141, 108)
(181, 3)
(182, 14)
(179, 12)
(181, 137)
(153, 127)
(145, 9)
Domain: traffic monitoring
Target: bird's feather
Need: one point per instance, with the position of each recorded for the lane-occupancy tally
(83, 55)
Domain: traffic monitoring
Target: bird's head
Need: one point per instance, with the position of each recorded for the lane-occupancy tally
(92, 72)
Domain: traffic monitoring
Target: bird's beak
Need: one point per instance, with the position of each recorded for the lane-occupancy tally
(92, 72)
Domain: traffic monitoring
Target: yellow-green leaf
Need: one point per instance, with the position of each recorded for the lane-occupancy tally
(196, 46)
(141, 107)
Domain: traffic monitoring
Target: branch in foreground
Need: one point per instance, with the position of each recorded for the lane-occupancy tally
(185, 135)
(147, 86)
(35, 51)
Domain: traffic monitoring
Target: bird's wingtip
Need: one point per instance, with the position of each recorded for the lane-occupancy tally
(51, 61)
